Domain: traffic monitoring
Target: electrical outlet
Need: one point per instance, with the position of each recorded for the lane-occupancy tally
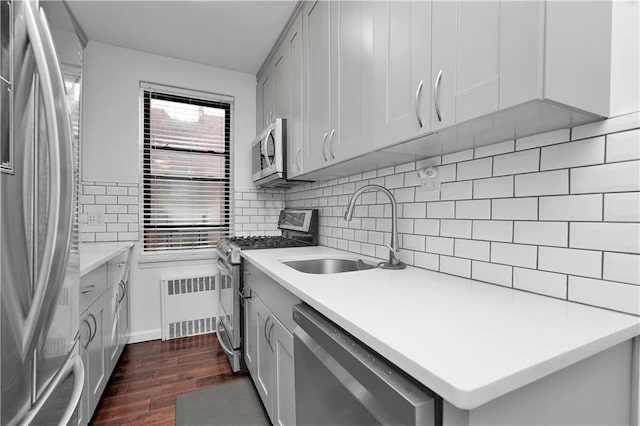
(429, 179)
(95, 218)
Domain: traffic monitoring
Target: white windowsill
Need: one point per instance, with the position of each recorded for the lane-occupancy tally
(152, 259)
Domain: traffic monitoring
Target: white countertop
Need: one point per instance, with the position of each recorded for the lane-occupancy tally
(93, 255)
(468, 341)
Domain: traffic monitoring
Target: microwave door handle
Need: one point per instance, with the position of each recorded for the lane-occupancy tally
(265, 152)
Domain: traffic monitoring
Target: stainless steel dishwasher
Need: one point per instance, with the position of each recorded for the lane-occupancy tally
(340, 381)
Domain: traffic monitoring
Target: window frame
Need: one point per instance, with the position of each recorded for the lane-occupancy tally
(153, 91)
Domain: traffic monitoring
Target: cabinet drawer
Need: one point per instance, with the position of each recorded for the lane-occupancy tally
(117, 267)
(92, 285)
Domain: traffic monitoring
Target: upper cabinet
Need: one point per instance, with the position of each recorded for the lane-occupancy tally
(418, 78)
(295, 130)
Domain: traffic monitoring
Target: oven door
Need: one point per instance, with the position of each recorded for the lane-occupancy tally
(228, 326)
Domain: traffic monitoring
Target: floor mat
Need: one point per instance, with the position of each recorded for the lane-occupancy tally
(229, 404)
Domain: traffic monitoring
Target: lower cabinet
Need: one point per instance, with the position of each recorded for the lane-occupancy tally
(104, 330)
(269, 356)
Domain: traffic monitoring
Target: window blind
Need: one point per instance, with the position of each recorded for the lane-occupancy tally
(186, 164)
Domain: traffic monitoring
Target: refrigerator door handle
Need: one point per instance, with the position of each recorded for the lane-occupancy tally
(49, 280)
(72, 365)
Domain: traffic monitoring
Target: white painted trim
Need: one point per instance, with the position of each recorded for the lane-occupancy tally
(144, 336)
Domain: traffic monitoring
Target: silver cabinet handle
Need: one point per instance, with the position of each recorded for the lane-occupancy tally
(95, 327)
(324, 142)
(221, 340)
(418, 93)
(267, 332)
(333, 133)
(269, 335)
(298, 154)
(72, 365)
(86, 345)
(88, 289)
(121, 264)
(124, 291)
(58, 229)
(436, 95)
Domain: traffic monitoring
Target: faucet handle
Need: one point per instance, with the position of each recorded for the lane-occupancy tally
(393, 251)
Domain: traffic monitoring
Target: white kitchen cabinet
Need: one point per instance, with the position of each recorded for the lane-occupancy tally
(94, 354)
(402, 82)
(295, 130)
(269, 343)
(317, 89)
(266, 88)
(284, 411)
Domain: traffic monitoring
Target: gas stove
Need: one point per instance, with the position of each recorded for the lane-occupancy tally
(299, 229)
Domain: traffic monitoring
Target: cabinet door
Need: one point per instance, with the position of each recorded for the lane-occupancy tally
(112, 308)
(294, 44)
(250, 335)
(265, 366)
(123, 319)
(96, 354)
(317, 83)
(267, 87)
(402, 43)
(466, 60)
(86, 332)
(282, 82)
(284, 409)
(352, 97)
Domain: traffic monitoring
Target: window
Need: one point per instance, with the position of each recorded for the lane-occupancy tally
(186, 165)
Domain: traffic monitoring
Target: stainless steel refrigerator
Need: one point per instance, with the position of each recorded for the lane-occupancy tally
(41, 371)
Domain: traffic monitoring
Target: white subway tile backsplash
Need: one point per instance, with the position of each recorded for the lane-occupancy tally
(471, 249)
(456, 191)
(617, 237)
(94, 190)
(515, 208)
(544, 209)
(493, 230)
(622, 267)
(491, 273)
(541, 282)
(475, 169)
(476, 209)
(620, 297)
(117, 190)
(426, 260)
(427, 227)
(573, 154)
(514, 254)
(598, 178)
(615, 124)
(498, 187)
(455, 266)
(106, 199)
(623, 146)
(439, 245)
(541, 233)
(571, 208)
(570, 261)
(457, 157)
(517, 162)
(543, 183)
(494, 149)
(622, 207)
(455, 228)
(543, 139)
(443, 209)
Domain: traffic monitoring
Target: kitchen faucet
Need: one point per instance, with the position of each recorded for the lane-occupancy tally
(394, 251)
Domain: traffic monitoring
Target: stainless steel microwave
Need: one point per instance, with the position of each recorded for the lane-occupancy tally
(268, 155)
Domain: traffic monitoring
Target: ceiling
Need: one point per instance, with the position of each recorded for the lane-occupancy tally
(235, 35)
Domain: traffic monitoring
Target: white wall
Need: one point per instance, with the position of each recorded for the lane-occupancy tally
(110, 134)
(110, 143)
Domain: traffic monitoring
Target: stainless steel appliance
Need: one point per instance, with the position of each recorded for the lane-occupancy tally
(299, 228)
(340, 381)
(268, 151)
(41, 371)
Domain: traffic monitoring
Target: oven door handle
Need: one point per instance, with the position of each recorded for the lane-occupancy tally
(220, 338)
(223, 265)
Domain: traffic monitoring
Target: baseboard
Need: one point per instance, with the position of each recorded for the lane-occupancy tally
(146, 335)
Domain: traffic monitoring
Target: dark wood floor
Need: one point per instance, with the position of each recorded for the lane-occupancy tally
(149, 376)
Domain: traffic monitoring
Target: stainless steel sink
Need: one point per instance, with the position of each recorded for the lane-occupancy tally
(328, 266)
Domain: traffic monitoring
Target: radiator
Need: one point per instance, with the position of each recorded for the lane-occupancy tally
(189, 305)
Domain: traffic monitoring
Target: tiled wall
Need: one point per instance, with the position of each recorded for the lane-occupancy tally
(256, 211)
(116, 206)
(556, 214)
